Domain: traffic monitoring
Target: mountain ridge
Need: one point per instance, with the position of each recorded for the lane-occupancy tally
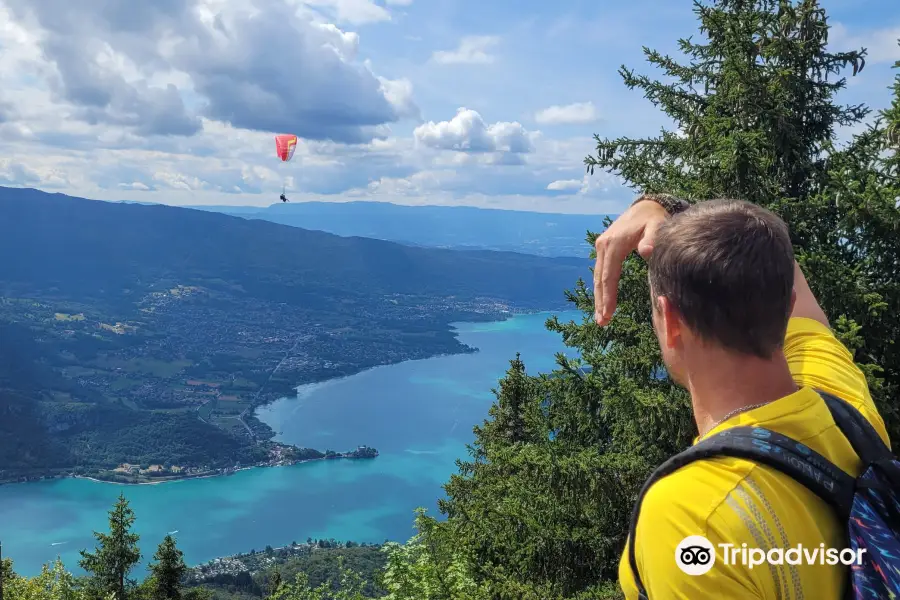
(543, 234)
(135, 318)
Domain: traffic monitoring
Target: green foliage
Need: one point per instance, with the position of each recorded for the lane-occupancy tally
(432, 567)
(167, 571)
(54, 583)
(197, 594)
(116, 555)
(275, 582)
(349, 586)
(322, 566)
(107, 570)
(541, 509)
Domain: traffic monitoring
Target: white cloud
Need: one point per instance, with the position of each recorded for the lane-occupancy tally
(399, 93)
(158, 69)
(354, 12)
(467, 132)
(472, 50)
(565, 184)
(135, 185)
(881, 44)
(576, 113)
(176, 102)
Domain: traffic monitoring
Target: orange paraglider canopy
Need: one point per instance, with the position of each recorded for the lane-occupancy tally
(285, 144)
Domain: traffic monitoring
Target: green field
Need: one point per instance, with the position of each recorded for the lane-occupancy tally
(150, 366)
(68, 317)
(171, 411)
(243, 384)
(123, 384)
(230, 406)
(204, 411)
(78, 371)
(232, 425)
(245, 352)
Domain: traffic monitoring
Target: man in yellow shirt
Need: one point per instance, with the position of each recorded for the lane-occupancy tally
(740, 329)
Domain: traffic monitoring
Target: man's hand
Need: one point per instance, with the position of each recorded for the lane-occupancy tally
(633, 230)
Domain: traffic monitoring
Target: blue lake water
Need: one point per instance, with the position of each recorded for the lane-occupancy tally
(418, 414)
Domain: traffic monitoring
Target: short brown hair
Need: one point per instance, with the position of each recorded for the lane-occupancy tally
(728, 268)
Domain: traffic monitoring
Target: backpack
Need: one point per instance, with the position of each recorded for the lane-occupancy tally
(869, 504)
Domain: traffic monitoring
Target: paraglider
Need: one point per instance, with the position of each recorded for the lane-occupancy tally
(285, 144)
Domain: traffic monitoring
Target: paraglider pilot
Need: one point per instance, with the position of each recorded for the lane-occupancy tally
(285, 144)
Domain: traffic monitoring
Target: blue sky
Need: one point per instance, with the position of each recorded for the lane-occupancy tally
(452, 102)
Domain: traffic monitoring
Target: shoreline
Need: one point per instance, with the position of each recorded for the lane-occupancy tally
(454, 327)
(186, 477)
(214, 475)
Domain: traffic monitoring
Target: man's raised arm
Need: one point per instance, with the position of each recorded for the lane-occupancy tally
(805, 303)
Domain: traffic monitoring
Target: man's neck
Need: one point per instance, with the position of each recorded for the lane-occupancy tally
(737, 382)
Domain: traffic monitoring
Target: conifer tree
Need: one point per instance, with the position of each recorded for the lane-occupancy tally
(275, 583)
(116, 554)
(755, 118)
(852, 263)
(167, 571)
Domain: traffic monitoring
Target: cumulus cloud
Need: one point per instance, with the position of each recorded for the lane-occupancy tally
(576, 113)
(157, 67)
(473, 49)
(467, 132)
(19, 172)
(399, 93)
(565, 184)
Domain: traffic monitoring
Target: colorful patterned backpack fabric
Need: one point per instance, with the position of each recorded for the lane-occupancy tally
(870, 503)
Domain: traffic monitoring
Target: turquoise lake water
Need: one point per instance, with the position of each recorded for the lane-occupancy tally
(418, 414)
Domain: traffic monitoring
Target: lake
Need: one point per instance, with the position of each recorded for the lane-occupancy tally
(418, 414)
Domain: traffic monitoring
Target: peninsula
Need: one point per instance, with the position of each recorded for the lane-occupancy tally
(280, 455)
(137, 341)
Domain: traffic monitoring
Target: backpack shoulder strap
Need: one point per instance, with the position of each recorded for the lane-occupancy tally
(863, 437)
(765, 447)
(866, 442)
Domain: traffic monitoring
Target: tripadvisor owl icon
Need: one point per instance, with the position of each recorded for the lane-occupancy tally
(695, 555)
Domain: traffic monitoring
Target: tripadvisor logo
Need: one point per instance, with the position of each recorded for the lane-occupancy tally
(696, 555)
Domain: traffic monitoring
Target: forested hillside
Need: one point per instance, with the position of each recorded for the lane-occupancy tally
(145, 335)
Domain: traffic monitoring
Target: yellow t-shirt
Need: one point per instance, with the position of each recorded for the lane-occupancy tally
(729, 500)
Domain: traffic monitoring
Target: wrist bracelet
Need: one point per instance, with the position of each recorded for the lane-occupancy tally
(672, 204)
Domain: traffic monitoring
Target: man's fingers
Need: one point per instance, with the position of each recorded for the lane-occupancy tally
(598, 289)
(609, 282)
(648, 239)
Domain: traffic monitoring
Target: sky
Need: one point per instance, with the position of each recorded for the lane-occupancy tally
(448, 102)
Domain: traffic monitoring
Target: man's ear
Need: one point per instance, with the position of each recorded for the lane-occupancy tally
(670, 322)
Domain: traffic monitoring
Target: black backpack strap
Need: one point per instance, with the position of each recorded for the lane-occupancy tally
(865, 441)
(764, 447)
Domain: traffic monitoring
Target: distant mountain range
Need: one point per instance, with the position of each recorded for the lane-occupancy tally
(542, 234)
(147, 334)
